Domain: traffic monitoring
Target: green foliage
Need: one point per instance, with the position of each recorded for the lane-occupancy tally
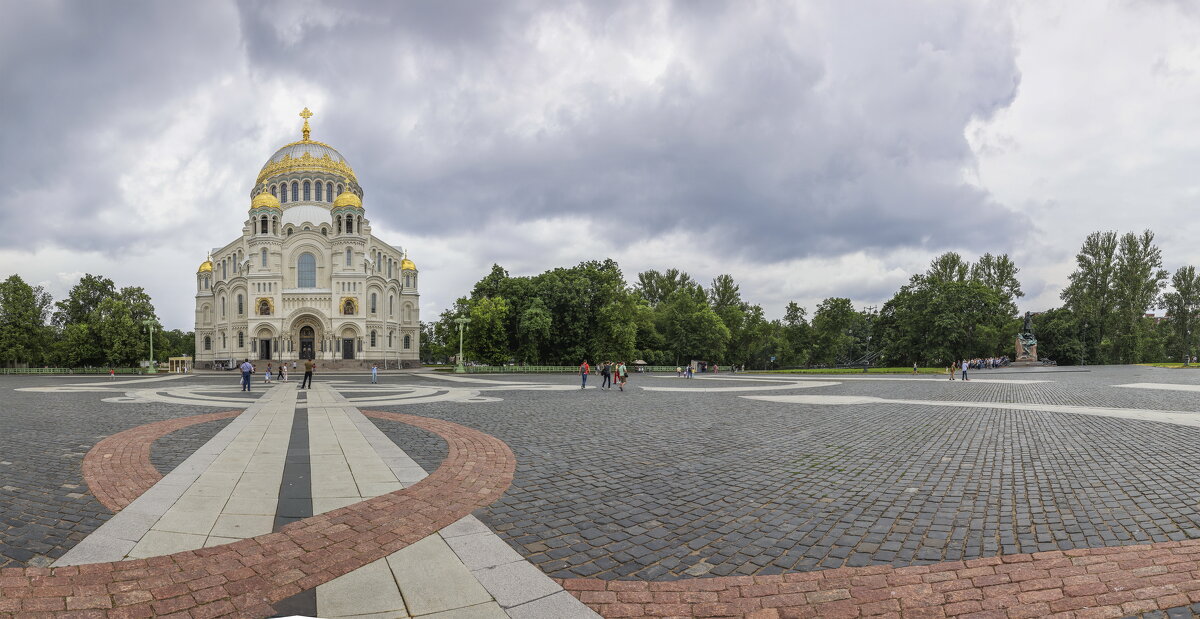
(1183, 311)
(24, 334)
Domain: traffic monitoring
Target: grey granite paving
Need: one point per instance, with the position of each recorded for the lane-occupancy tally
(663, 485)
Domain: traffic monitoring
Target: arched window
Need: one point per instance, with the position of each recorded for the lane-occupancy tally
(207, 343)
(306, 271)
(349, 224)
(241, 307)
(389, 267)
(307, 191)
(275, 190)
(389, 339)
(391, 306)
(224, 270)
(274, 225)
(241, 340)
(319, 192)
(223, 342)
(324, 231)
(407, 342)
(264, 257)
(358, 225)
(372, 305)
(329, 191)
(282, 193)
(349, 257)
(263, 225)
(290, 230)
(222, 307)
(339, 224)
(295, 191)
(340, 190)
(372, 339)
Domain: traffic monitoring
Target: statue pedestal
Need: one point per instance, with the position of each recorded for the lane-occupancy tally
(1026, 353)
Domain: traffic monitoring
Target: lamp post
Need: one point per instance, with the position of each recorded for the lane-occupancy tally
(459, 369)
(150, 324)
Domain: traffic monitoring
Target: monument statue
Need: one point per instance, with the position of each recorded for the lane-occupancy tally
(1026, 342)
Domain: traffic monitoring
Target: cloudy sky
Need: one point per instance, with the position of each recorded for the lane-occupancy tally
(810, 149)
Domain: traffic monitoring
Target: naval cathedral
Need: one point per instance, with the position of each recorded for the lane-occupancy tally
(306, 279)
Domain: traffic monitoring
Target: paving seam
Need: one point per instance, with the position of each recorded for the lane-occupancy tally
(295, 503)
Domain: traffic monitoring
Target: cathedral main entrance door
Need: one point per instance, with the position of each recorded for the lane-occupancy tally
(306, 343)
(264, 348)
(348, 348)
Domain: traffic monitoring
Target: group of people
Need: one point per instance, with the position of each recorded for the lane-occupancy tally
(611, 372)
(973, 364)
(247, 369)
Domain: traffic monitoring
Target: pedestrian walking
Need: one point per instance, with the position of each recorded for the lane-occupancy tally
(584, 368)
(283, 372)
(246, 369)
(112, 374)
(293, 366)
(622, 376)
(308, 372)
(965, 365)
(914, 368)
(267, 376)
(678, 372)
(606, 374)
(374, 373)
(950, 370)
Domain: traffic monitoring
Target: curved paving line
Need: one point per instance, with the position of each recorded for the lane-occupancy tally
(244, 578)
(118, 470)
(1092, 582)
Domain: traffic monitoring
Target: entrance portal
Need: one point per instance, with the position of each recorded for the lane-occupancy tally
(348, 348)
(264, 348)
(306, 343)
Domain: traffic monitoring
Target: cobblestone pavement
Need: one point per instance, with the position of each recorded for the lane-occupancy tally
(666, 485)
(45, 506)
(663, 485)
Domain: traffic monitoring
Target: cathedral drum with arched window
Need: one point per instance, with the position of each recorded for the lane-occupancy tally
(290, 286)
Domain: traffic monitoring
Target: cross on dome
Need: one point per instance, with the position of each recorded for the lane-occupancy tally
(306, 129)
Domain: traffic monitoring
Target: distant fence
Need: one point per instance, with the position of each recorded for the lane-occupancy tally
(552, 369)
(71, 371)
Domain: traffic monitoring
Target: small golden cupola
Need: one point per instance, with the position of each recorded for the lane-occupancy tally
(265, 200)
(347, 198)
(205, 267)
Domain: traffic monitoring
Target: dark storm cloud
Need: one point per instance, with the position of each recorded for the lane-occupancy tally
(794, 132)
(790, 130)
(85, 83)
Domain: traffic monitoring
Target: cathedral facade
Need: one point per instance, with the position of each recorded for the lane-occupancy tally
(306, 279)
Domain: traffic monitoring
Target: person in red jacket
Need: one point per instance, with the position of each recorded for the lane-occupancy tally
(584, 368)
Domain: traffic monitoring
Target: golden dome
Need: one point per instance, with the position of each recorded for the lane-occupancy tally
(348, 198)
(407, 265)
(307, 155)
(205, 267)
(265, 200)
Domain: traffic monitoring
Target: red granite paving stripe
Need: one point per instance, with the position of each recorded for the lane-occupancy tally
(249, 575)
(118, 469)
(1008, 587)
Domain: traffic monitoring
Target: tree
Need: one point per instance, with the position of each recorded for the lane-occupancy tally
(948, 267)
(1089, 295)
(23, 330)
(83, 299)
(486, 335)
(657, 287)
(796, 336)
(1060, 336)
(692, 329)
(119, 334)
(1137, 278)
(1000, 274)
(535, 330)
(1183, 311)
(839, 332)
